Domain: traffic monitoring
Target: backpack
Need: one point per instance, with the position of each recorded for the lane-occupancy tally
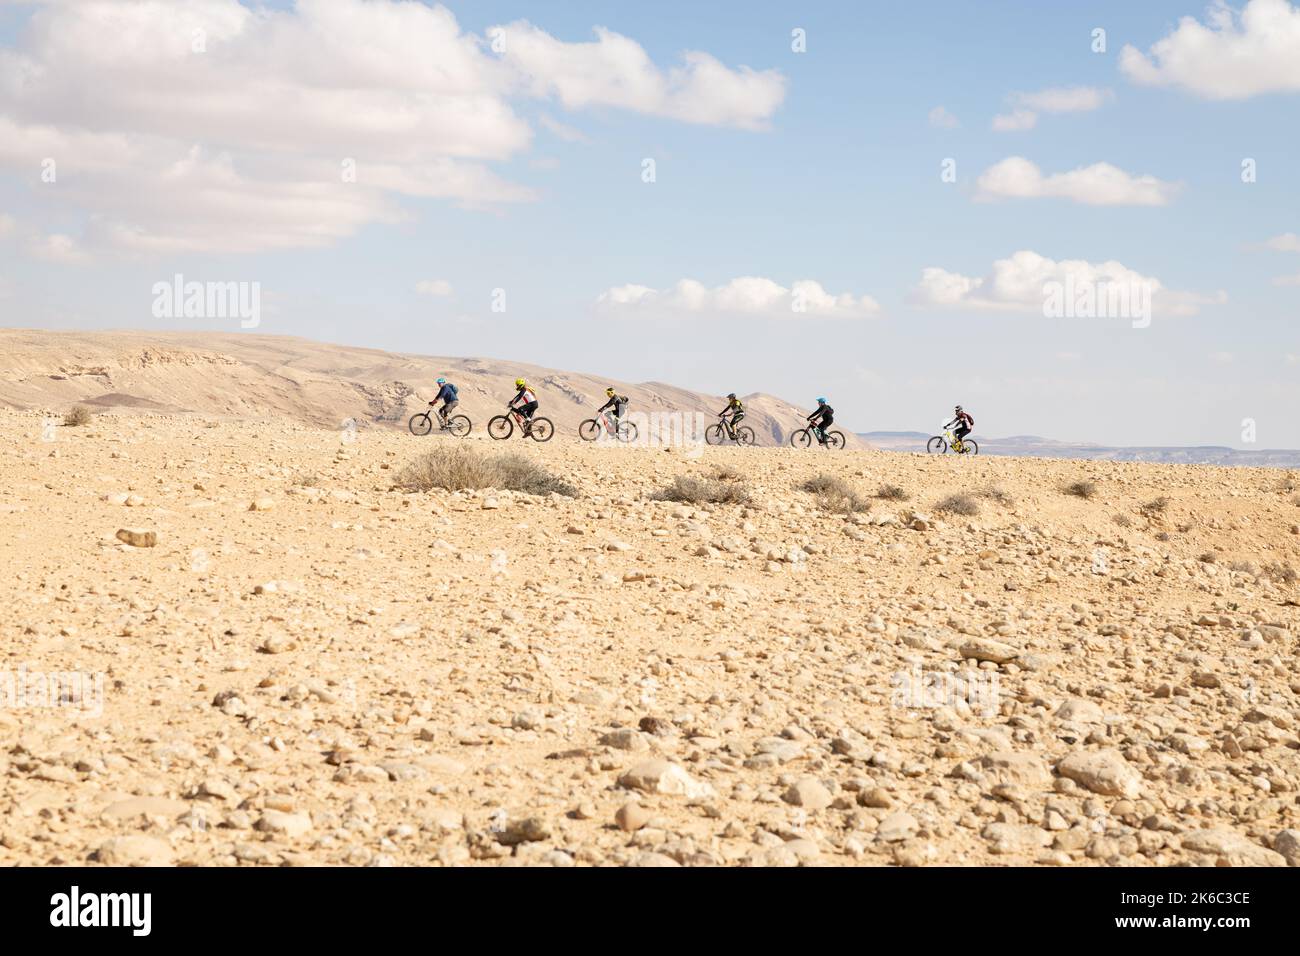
(452, 389)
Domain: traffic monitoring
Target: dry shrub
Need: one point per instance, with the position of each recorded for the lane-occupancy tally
(1280, 573)
(995, 493)
(1123, 520)
(78, 415)
(835, 495)
(1081, 489)
(891, 493)
(728, 473)
(702, 491)
(462, 467)
(1156, 506)
(962, 504)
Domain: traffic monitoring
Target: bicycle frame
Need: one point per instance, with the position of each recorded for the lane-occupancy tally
(524, 424)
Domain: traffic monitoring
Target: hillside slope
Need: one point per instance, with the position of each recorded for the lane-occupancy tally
(245, 376)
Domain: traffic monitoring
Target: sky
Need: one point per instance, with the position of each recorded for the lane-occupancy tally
(900, 207)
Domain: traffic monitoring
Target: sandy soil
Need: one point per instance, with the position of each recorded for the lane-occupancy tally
(309, 667)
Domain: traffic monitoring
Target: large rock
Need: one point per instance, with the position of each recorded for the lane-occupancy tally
(808, 793)
(661, 776)
(1026, 770)
(1230, 848)
(1287, 843)
(1080, 712)
(136, 849)
(897, 826)
(982, 649)
(138, 537)
(1102, 771)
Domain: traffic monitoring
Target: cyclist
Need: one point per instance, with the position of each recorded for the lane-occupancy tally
(732, 414)
(447, 394)
(821, 419)
(618, 403)
(524, 402)
(964, 423)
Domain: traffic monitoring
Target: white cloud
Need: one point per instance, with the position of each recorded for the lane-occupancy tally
(8, 225)
(1054, 99)
(55, 247)
(613, 70)
(1286, 242)
(292, 128)
(1100, 184)
(1064, 99)
(1223, 358)
(940, 118)
(435, 287)
(746, 295)
(562, 130)
(1015, 121)
(1234, 55)
(1017, 284)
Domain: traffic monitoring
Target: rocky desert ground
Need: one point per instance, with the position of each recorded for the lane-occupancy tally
(241, 643)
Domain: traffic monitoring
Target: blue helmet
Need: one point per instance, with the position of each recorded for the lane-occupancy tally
(442, 381)
(821, 401)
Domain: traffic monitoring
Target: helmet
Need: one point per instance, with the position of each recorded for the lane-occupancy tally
(957, 409)
(610, 390)
(821, 401)
(442, 381)
(520, 383)
(731, 395)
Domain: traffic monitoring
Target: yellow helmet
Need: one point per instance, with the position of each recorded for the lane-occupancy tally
(610, 390)
(520, 383)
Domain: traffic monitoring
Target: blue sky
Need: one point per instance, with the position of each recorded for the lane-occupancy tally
(838, 184)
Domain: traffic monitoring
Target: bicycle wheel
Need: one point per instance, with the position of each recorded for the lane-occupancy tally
(936, 446)
(626, 432)
(744, 435)
(800, 438)
(420, 424)
(459, 425)
(835, 439)
(714, 434)
(542, 429)
(969, 447)
(501, 427)
(589, 430)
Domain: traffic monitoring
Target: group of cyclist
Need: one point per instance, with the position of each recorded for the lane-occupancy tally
(524, 404)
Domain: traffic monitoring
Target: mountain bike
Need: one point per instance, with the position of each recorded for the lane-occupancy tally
(592, 428)
(503, 426)
(804, 437)
(939, 444)
(714, 434)
(421, 423)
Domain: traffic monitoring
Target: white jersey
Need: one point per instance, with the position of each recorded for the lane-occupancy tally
(526, 397)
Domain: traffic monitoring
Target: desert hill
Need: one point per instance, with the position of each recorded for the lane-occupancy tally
(243, 376)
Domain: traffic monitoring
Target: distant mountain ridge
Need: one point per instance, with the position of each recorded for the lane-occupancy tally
(1034, 446)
